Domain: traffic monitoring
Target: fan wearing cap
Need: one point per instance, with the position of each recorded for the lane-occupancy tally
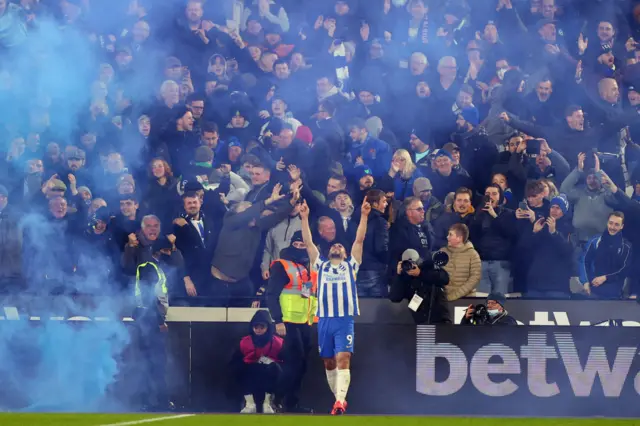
(496, 312)
(422, 282)
(240, 125)
(423, 189)
(551, 262)
(446, 178)
(420, 141)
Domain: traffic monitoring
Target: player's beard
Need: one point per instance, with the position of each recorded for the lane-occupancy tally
(335, 255)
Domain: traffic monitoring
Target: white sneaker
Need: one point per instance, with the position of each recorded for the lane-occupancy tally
(249, 409)
(268, 409)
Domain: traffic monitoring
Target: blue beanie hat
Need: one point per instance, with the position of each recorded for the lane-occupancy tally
(471, 116)
(561, 201)
(362, 171)
(443, 153)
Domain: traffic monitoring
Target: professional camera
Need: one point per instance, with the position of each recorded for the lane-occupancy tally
(425, 290)
(407, 265)
(480, 314)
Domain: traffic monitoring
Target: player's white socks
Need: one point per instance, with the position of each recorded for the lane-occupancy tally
(344, 379)
(249, 405)
(332, 378)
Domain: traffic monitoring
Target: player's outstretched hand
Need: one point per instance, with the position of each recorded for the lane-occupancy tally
(304, 210)
(366, 207)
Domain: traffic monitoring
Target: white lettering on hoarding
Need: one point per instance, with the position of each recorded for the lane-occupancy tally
(506, 361)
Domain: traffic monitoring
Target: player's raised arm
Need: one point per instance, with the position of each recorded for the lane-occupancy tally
(312, 250)
(358, 244)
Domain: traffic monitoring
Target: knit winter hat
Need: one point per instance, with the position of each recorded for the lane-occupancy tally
(497, 297)
(85, 189)
(362, 171)
(561, 201)
(423, 133)
(304, 134)
(443, 153)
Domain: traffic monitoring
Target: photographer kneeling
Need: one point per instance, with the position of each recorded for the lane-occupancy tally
(422, 283)
(493, 313)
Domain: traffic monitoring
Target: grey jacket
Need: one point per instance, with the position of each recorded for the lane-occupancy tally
(279, 238)
(591, 211)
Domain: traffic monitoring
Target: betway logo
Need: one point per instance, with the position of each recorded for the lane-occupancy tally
(536, 353)
(547, 318)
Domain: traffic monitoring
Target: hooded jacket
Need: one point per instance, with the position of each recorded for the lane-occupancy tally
(254, 347)
(464, 269)
(279, 238)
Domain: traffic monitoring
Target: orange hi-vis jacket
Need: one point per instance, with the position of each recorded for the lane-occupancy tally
(298, 307)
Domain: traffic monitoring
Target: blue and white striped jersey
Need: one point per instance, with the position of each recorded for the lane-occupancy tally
(337, 292)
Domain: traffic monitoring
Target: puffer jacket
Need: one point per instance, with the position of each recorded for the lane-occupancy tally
(464, 269)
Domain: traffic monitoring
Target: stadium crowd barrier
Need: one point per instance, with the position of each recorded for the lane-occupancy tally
(553, 365)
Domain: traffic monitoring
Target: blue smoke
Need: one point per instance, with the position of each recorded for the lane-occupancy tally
(57, 365)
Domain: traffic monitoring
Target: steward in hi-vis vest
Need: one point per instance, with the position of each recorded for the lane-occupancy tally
(150, 328)
(292, 302)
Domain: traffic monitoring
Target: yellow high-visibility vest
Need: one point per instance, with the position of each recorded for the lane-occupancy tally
(297, 309)
(160, 287)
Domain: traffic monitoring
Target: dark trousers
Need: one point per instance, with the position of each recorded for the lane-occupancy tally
(259, 379)
(297, 345)
(151, 361)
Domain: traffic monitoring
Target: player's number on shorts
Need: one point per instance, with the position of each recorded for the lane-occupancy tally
(349, 339)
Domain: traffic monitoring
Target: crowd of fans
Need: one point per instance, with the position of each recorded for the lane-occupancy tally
(204, 124)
